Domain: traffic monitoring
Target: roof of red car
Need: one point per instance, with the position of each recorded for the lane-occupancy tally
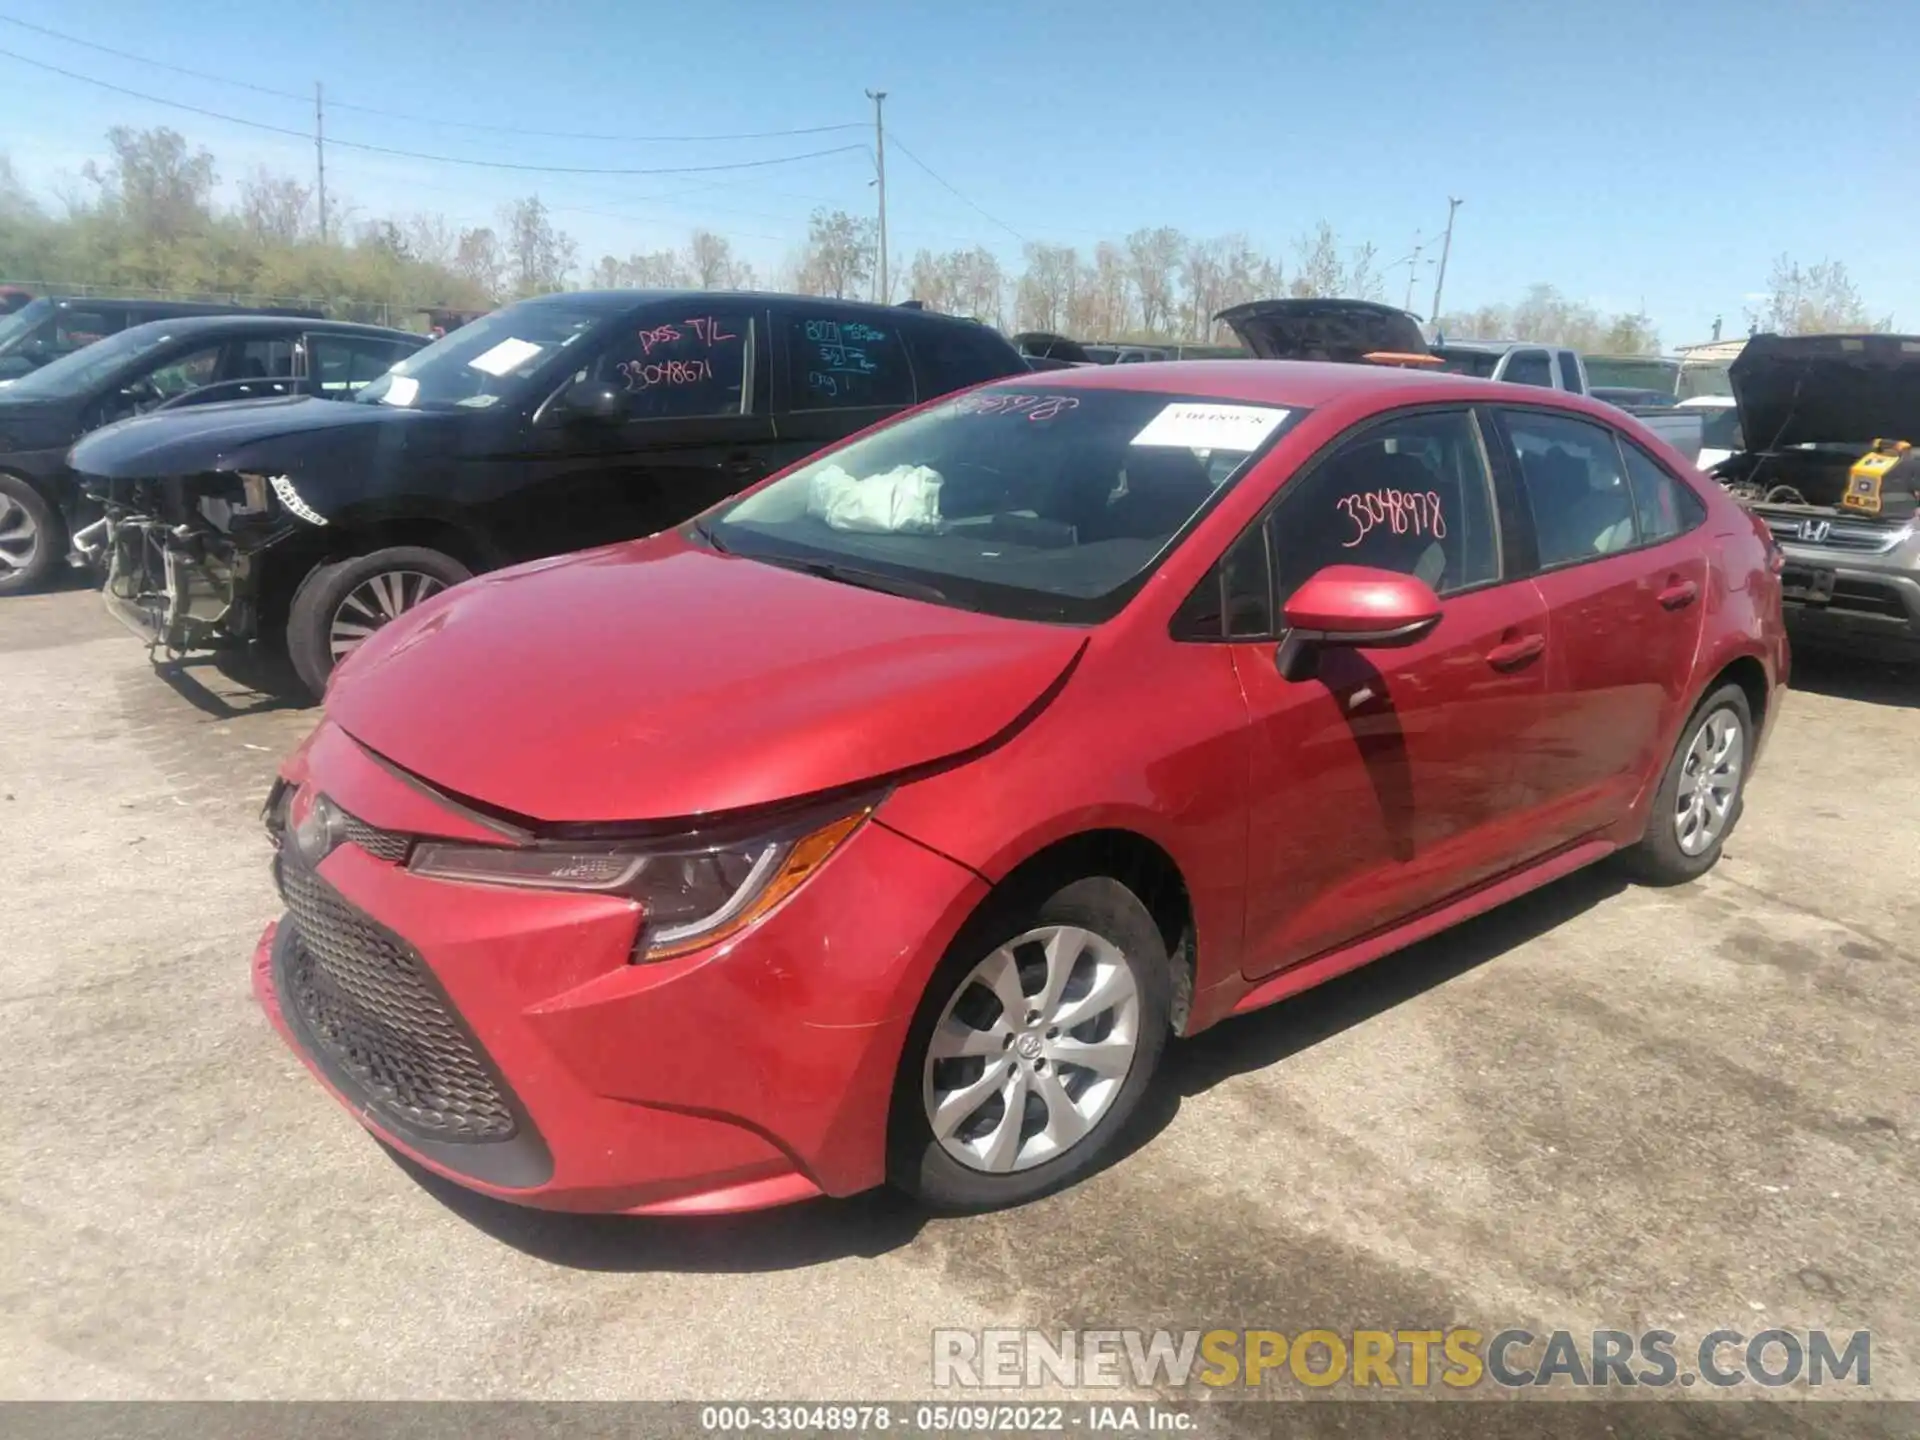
(1305, 383)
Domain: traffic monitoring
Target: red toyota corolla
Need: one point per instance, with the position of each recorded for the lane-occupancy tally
(885, 822)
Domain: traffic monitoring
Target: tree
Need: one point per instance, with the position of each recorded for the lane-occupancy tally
(477, 259)
(539, 257)
(840, 255)
(712, 266)
(1153, 263)
(1544, 315)
(1816, 299)
(152, 180)
(958, 282)
(1044, 298)
(16, 203)
(431, 240)
(275, 208)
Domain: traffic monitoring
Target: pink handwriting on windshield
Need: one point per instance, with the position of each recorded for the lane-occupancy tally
(1034, 407)
(706, 329)
(641, 376)
(1404, 512)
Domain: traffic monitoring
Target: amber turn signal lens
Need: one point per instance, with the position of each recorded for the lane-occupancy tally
(808, 854)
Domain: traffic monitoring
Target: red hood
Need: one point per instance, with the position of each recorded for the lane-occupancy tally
(655, 680)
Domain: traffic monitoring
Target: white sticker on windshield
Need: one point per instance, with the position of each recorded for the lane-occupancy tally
(1211, 427)
(401, 390)
(506, 357)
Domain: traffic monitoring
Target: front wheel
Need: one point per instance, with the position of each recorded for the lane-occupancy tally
(1030, 1053)
(1701, 794)
(338, 606)
(32, 538)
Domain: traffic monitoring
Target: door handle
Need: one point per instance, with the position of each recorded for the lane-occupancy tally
(1514, 653)
(1679, 594)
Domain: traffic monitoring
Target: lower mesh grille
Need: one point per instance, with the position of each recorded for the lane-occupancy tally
(389, 845)
(367, 1000)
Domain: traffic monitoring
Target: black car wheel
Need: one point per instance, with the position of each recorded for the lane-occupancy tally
(339, 605)
(32, 538)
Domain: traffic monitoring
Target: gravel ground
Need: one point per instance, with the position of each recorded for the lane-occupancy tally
(1598, 1107)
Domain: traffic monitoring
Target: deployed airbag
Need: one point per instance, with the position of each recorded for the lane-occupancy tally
(902, 501)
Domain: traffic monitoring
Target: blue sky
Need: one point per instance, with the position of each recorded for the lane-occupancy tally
(1629, 153)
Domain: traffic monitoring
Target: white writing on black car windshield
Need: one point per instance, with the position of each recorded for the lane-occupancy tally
(839, 354)
(1404, 512)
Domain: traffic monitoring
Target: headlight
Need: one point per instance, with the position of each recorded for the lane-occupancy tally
(689, 895)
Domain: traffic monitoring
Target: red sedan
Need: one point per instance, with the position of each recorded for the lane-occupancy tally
(885, 822)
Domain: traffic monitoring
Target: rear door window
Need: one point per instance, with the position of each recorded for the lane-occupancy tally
(1575, 486)
(952, 357)
(844, 362)
(77, 328)
(342, 365)
(1570, 373)
(1663, 506)
(1528, 367)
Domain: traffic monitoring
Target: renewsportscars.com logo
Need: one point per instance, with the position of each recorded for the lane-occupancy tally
(1457, 1359)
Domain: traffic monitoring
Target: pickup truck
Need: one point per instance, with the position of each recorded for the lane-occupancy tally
(1518, 362)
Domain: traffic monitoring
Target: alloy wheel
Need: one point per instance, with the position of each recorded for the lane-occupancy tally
(376, 601)
(19, 536)
(1032, 1049)
(1709, 782)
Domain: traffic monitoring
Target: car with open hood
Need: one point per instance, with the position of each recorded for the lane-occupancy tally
(163, 365)
(554, 424)
(885, 822)
(1827, 422)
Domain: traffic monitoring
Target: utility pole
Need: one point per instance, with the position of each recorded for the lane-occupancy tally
(320, 157)
(1446, 249)
(880, 160)
(1413, 269)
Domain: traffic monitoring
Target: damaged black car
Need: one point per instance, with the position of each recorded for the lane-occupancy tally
(555, 424)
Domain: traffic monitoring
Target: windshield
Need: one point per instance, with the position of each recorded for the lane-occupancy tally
(1720, 428)
(1632, 372)
(23, 322)
(1481, 363)
(1705, 378)
(483, 363)
(1031, 504)
(80, 369)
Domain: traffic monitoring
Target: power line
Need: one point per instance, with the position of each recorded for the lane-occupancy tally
(898, 145)
(419, 155)
(417, 119)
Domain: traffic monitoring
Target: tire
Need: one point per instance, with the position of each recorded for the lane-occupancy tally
(1685, 836)
(33, 537)
(1072, 1115)
(360, 594)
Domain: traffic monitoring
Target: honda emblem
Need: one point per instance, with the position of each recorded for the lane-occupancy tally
(1815, 531)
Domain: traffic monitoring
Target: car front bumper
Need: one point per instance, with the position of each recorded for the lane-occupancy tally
(1865, 609)
(569, 1077)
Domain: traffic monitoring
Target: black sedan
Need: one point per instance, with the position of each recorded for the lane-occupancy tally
(165, 364)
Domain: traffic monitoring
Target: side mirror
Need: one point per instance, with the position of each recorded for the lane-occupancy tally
(593, 400)
(1355, 607)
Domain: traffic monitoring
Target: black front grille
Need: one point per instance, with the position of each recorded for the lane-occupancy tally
(389, 845)
(369, 1003)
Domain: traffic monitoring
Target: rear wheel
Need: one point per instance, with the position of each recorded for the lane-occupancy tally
(1700, 796)
(1031, 1051)
(338, 606)
(32, 538)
